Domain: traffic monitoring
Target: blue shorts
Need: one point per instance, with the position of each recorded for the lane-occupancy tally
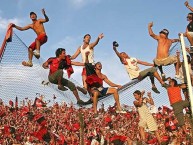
(102, 90)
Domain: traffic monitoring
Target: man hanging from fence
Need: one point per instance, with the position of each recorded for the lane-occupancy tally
(164, 43)
(38, 27)
(131, 65)
(57, 64)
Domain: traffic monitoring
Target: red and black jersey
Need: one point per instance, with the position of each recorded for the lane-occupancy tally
(56, 64)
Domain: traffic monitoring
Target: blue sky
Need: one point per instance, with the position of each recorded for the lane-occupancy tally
(125, 21)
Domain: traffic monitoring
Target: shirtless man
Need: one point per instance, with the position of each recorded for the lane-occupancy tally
(38, 27)
(164, 43)
(189, 28)
(86, 47)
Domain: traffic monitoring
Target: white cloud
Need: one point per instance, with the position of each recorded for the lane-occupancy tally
(4, 22)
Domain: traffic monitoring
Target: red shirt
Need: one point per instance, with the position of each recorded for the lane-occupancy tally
(174, 94)
(54, 63)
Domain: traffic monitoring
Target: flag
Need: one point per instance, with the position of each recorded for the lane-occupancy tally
(42, 134)
(40, 119)
(16, 103)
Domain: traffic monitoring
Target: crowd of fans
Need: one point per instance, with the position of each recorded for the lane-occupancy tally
(59, 124)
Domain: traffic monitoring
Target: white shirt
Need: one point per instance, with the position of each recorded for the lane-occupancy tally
(90, 56)
(132, 68)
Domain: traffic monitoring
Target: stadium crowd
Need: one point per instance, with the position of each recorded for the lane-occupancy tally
(59, 124)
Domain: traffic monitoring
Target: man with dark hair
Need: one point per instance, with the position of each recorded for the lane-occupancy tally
(38, 27)
(56, 65)
(189, 28)
(175, 98)
(87, 47)
(95, 80)
(132, 68)
(145, 117)
(164, 43)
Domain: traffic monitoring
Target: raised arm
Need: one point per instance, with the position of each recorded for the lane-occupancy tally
(92, 45)
(75, 54)
(110, 83)
(145, 63)
(118, 54)
(46, 17)
(151, 33)
(150, 99)
(188, 6)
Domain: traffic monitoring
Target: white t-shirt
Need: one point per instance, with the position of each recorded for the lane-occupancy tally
(90, 56)
(132, 68)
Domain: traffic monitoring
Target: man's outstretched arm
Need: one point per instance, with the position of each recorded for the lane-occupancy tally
(21, 28)
(188, 6)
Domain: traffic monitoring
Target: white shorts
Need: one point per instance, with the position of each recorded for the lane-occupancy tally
(190, 33)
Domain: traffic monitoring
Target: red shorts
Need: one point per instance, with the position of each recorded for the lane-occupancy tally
(84, 71)
(42, 38)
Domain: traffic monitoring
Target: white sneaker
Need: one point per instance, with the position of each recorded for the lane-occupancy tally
(27, 63)
(36, 54)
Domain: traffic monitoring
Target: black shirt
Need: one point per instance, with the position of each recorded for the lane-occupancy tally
(190, 27)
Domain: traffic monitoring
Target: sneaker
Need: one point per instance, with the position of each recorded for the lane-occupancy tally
(165, 85)
(62, 88)
(121, 111)
(164, 77)
(27, 63)
(36, 54)
(155, 90)
(80, 102)
(83, 90)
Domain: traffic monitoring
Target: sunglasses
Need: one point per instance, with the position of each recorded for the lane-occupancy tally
(164, 33)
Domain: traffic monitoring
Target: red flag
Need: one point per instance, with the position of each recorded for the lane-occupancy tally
(42, 134)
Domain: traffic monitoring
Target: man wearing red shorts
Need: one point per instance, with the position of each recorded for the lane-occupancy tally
(38, 27)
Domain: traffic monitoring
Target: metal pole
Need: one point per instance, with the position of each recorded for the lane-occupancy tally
(187, 70)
